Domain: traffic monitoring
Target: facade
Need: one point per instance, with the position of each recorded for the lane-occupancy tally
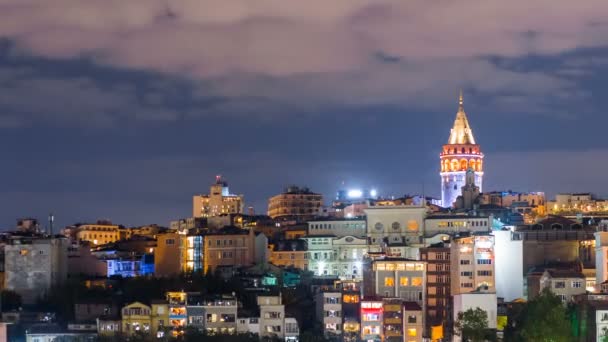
(372, 320)
(579, 202)
(343, 227)
(99, 233)
(296, 203)
(329, 312)
(132, 266)
(452, 224)
(438, 288)
(394, 225)
(32, 265)
(413, 318)
(485, 300)
(192, 253)
(565, 284)
(472, 264)
(149, 319)
(186, 224)
(229, 247)
(272, 316)
(397, 278)
(289, 253)
(339, 257)
(460, 154)
(509, 260)
(167, 260)
(215, 314)
(511, 198)
(219, 201)
(178, 316)
(601, 255)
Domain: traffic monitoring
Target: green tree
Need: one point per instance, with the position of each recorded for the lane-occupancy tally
(472, 325)
(544, 319)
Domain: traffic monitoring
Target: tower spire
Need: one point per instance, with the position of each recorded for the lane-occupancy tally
(460, 102)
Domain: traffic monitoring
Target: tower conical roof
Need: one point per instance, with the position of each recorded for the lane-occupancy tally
(461, 133)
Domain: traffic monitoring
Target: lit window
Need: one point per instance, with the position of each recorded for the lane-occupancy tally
(416, 281)
(411, 332)
(389, 281)
(403, 281)
(24, 252)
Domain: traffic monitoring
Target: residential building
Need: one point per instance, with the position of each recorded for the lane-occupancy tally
(178, 316)
(577, 203)
(413, 322)
(351, 309)
(192, 252)
(108, 326)
(89, 310)
(393, 320)
(215, 314)
(336, 256)
(148, 319)
(219, 201)
(33, 265)
(272, 316)
(99, 233)
(289, 253)
(233, 247)
(295, 203)
(472, 263)
(131, 266)
(396, 278)
(184, 225)
(601, 253)
(337, 227)
(329, 312)
(557, 238)
(438, 286)
(167, 256)
(460, 154)
(372, 320)
(394, 225)
(564, 283)
(592, 311)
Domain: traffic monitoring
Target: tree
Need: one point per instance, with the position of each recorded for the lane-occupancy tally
(545, 319)
(472, 324)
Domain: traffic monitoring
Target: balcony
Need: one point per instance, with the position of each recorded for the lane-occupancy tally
(395, 320)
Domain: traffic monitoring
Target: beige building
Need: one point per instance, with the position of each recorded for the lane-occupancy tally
(219, 201)
(472, 264)
(295, 203)
(394, 225)
(564, 283)
(167, 255)
(289, 253)
(232, 247)
(396, 278)
(99, 233)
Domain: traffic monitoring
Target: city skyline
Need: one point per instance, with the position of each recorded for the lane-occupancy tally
(104, 115)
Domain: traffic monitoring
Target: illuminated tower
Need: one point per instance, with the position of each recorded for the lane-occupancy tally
(459, 154)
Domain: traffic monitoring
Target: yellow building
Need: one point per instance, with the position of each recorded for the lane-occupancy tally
(138, 317)
(98, 233)
(289, 253)
(167, 261)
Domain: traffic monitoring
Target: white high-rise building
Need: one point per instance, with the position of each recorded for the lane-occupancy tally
(219, 201)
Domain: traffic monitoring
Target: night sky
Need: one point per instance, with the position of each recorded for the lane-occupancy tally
(123, 110)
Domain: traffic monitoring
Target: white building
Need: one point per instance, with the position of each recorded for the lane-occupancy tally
(450, 224)
(508, 258)
(336, 256)
(394, 225)
(601, 254)
(344, 227)
(477, 299)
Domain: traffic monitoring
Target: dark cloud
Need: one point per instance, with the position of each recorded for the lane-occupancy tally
(124, 109)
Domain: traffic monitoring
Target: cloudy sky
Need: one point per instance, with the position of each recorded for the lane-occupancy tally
(123, 109)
